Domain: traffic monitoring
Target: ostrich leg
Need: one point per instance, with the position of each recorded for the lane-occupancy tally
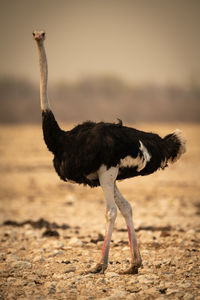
(107, 180)
(126, 210)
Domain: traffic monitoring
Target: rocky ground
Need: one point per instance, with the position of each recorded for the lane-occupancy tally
(51, 232)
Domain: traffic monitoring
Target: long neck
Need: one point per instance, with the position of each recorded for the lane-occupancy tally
(45, 106)
(51, 129)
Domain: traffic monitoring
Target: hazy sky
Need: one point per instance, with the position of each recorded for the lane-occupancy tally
(139, 40)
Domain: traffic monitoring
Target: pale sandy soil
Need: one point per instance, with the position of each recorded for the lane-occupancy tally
(37, 267)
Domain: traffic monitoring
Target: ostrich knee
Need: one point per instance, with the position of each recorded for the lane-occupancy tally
(127, 210)
(111, 214)
(123, 205)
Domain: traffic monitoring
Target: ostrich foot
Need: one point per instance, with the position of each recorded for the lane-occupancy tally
(130, 270)
(99, 268)
(133, 269)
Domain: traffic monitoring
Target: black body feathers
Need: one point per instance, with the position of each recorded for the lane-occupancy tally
(79, 153)
(51, 132)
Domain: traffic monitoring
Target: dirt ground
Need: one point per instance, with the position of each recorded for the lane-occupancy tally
(51, 231)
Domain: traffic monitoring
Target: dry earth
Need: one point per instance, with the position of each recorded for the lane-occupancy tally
(44, 259)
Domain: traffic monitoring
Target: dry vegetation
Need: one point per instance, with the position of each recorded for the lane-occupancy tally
(34, 265)
(102, 98)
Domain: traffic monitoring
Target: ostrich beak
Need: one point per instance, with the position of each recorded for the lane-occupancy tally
(39, 35)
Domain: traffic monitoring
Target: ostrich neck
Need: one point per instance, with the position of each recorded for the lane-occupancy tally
(45, 106)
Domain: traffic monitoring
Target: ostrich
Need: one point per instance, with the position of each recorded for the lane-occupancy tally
(99, 154)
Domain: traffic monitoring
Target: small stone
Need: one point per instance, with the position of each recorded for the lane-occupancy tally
(133, 288)
(32, 277)
(89, 276)
(191, 232)
(126, 248)
(164, 233)
(158, 265)
(145, 279)
(61, 286)
(70, 269)
(170, 285)
(144, 286)
(133, 281)
(22, 248)
(75, 242)
(52, 291)
(172, 291)
(50, 233)
(57, 252)
(18, 282)
(22, 265)
(38, 258)
(65, 262)
(118, 295)
(186, 285)
(99, 245)
(71, 198)
(50, 286)
(58, 245)
(12, 258)
(58, 276)
(153, 291)
(11, 280)
(100, 281)
(111, 274)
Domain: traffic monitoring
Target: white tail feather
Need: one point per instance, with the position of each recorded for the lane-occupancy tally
(182, 140)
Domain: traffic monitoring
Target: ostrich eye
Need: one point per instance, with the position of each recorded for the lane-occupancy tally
(33, 33)
(43, 34)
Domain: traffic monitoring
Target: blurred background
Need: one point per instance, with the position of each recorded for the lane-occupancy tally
(136, 60)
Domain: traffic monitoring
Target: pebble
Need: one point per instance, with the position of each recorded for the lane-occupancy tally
(57, 252)
(172, 291)
(61, 286)
(71, 198)
(99, 245)
(145, 279)
(111, 274)
(133, 288)
(58, 245)
(75, 242)
(126, 248)
(58, 276)
(133, 281)
(185, 285)
(70, 269)
(38, 258)
(170, 285)
(153, 291)
(118, 294)
(167, 261)
(50, 284)
(100, 281)
(66, 261)
(21, 265)
(11, 280)
(12, 258)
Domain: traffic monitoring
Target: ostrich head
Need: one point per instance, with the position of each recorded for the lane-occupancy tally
(39, 35)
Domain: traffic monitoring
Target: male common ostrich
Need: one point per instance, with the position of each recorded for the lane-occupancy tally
(101, 153)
